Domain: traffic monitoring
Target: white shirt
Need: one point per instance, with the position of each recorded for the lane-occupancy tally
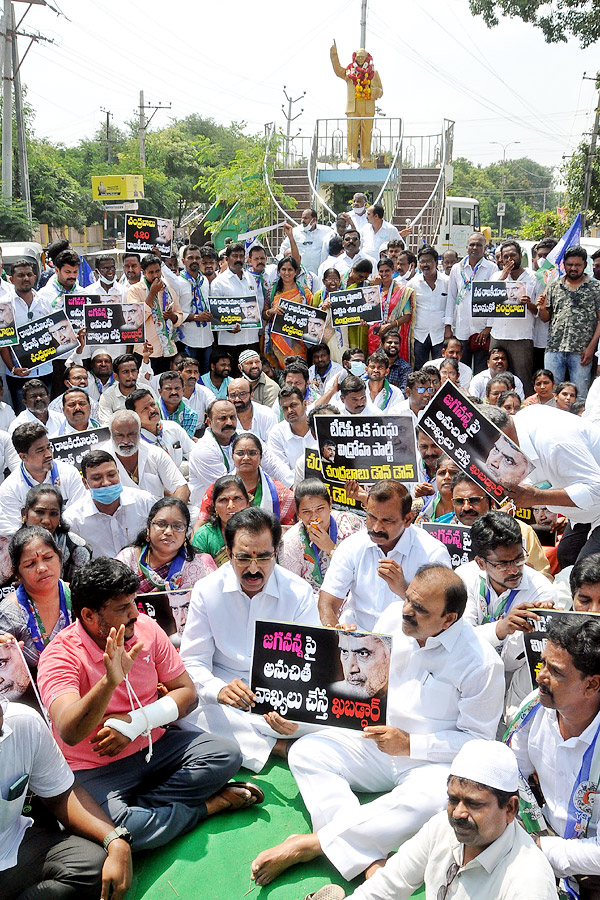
(392, 407)
(14, 490)
(312, 245)
(219, 634)
(566, 452)
(289, 446)
(459, 315)
(195, 334)
(200, 400)
(353, 569)
(263, 420)
(56, 405)
(55, 292)
(157, 472)
(464, 371)
(480, 382)
(112, 399)
(338, 401)
(359, 222)
(105, 534)
(329, 263)
(430, 307)
(55, 421)
(9, 458)
(540, 747)
(178, 442)
(373, 240)
(319, 381)
(26, 748)
(344, 262)
(40, 306)
(511, 868)
(228, 284)
(518, 329)
(7, 415)
(445, 693)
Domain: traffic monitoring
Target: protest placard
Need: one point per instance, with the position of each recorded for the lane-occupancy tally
(456, 538)
(498, 300)
(299, 322)
(337, 492)
(45, 339)
(169, 609)
(74, 304)
(230, 311)
(114, 323)
(367, 448)
(475, 444)
(351, 306)
(16, 683)
(321, 675)
(535, 640)
(142, 233)
(8, 330)
(72, 447)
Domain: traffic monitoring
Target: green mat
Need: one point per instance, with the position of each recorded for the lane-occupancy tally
(213, 861)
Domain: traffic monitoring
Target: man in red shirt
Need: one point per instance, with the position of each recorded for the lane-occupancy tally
(99, 679)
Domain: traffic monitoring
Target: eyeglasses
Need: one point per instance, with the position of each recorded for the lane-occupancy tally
(251, 453)
(474, 501)
(505, 566)
(450, 876)
(239, 395)
(425, 390)
(259, 558)
(162, 525)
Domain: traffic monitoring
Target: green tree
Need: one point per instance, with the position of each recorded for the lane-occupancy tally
(573, 173)
(557, 19)
(537, 225)
(13, 222)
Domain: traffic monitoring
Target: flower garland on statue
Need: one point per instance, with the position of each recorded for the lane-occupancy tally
(361, 76)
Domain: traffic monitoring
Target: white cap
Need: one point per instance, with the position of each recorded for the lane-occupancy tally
(487, 762)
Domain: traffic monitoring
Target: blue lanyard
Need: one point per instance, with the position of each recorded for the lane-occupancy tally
(333, 534)
(54, 475)
(173, 579)
(198, 304)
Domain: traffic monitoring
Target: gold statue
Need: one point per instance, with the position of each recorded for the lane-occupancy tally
(364, 88)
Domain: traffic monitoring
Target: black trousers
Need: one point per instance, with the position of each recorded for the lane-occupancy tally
(576, 543)
(54, 866)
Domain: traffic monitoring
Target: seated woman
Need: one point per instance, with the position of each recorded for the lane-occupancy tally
(510, 401)
(278, 347)
(263, 491)
(40, 606)
(397, 301)
(307, 547)
(566, 395)
(162, 555)
(335, 338)
(229, 495)
(43, 506)
(543, 386)
(498, 385)
(449, 371)
(439, 507)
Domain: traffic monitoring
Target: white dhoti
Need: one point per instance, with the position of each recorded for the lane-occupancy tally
(329, 768)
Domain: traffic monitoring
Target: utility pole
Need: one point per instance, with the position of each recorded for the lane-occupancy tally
(589, 163)
(502, 183)
(7, 152)
(21, 135)
(108, 115)
(363, 24)
(289, 119)
(144, 121)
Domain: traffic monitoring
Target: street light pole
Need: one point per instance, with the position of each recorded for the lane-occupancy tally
(501, 215)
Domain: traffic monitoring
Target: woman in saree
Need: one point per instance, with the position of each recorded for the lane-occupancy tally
(396, 305)
(335, 338)
(229, 495)
(277, 346)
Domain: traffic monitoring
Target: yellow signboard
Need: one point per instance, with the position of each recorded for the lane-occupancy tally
(117, 187)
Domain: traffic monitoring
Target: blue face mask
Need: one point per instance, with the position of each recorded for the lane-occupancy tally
(358, 368)
(107, 494)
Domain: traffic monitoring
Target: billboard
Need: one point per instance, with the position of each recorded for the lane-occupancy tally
(117, 187)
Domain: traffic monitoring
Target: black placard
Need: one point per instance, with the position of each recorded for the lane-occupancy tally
(72, 447)
(337, 492)
(230, 311)
(299, 322)
(142, 233)
(114, 323)
(498, 300)
(44, 339)
(298, 671)
(367, 448)
(351, 306)
(456, 539)
(535, 640)
(74, 304)
(169, 609)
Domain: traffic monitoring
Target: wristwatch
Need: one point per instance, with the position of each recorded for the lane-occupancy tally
(119, 832)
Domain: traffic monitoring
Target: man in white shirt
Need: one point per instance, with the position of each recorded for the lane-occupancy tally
(77, 411)
(497, 362)
(311, 239)
(501, 588)
(252, 416)
(107, 515)
(431, 295)
(378, 231)
(458, 320)
(264, 275)
(9, 458)
(139, 463)
(196, 395)
(383, 395)
(445, 688)
(168, 436)
(557, 741)
(108, 290)
(64, 281)
(352, 252)
(37, 467)
(193, 291)
(37, 402)
(452, 349)
(322, 368)
(127, 379)
(335, 249)
(289, 439)
(218, 638)
(358, 214)
(376, 566)
(419, 390)
(476, 843)
(76, 376)
(236, 282)
(34, 860)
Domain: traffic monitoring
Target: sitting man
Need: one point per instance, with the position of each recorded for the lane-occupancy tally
(446, 687)
(452, 349)
(497, 362)
(108, 516)
(77, 411)
(218, 638)
(501, 589)
(420, 388)
(377, 565)
(322, 368)
(399, 368)
(127, 379)
(196, 395)
(289, 439)
(162, 433)
(140, 464)
(349, 397)
(264, 390)
(252, 416)
(172, 405)
(584, 581)
(37, 467)
(476, 841)
(99, 679)
(382, 394)
(295, 374)
(90, 858)
(37, 409)
(554, 736)
(76, 376)
(427, 465)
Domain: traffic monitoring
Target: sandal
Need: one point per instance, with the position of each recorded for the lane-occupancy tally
(256, 795)
(329, 892)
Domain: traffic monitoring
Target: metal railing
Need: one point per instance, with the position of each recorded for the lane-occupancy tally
(426, 224)
(273, 238)
(389, 194)
(331, 136)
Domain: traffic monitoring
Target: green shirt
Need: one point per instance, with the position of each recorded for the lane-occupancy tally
(209, 539)
(574, 315)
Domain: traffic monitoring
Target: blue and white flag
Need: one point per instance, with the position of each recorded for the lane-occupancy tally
(571, 238)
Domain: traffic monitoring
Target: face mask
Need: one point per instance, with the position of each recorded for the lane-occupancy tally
(307, 229)
(358, 368)
(359, 210)
(107, 281)
(107, 494)
(86, 389)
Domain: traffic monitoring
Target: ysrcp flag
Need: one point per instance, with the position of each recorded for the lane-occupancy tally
(552, 266)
